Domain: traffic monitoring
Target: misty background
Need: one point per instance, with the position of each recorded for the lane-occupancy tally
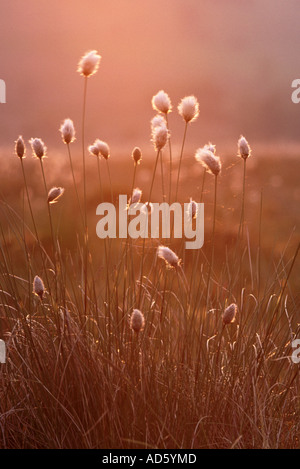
(237, 57)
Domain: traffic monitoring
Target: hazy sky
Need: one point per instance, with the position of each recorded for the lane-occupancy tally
(238, 57)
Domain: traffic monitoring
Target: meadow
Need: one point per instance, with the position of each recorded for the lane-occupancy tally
(139, 343)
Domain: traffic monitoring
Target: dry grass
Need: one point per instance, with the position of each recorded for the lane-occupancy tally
(77, 375)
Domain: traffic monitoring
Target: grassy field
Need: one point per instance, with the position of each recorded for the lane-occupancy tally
(78, 375)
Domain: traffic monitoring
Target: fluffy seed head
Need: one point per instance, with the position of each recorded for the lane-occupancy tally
(161, 102)
(229, 314)
(160, 136)
(136, 196)
(67, 131)
(100, 148)
(169, 256)
(188, 108)
(136, 155)
(103, 149)
(94, 150)
(244, 150)
(38, 286)
(38, 147)
(158, 121)
(137, 320)
(20, 147)
(192, 209)
(89, 63)
(210, 161)
(209, 146)
(54, 194)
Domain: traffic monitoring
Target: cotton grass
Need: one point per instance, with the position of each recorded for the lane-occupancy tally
(89, 63)
(38, 147)
(67, 131)
(161, 102)
(160, 136)
(158, 121)
(38, 287)
(244, 150)
(136, 196)
(171, 259)
(229, 314)
(100, 148)
(209, 160)
(54, 194)
(188, 108)
(136, 155)
(137, 321)
(20, 147)
(192, 210)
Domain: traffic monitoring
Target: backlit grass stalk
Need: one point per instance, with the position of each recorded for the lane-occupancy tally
(206, 156)
(180, 161)
(74, 183)
(137, 157)
(107, 290)
(42, 251)
(144, 239)
(242, 219)
(49, 211)
(170, 163)
(85, 266)
(188, 108)
(244, 151)
(110, 182)
(160, 136)
(211, 264)
(88, 66)
(162, 176)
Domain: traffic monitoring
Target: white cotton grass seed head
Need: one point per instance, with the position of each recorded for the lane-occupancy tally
(209, 146)
(136, 196)
(160, 136)
(161, 102)
(38, 147)
(192, 210)
(137, 320)
(89, 63)
(229, 314)
(54, 194)
(20, 147)
(158, 121)
(103, 148)
(99, 148)
(67, 131)
(244, 150)
(94, 150)
(211, 162)
(188, 108)
(38, 287)
(136, 155)
(169, 256)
